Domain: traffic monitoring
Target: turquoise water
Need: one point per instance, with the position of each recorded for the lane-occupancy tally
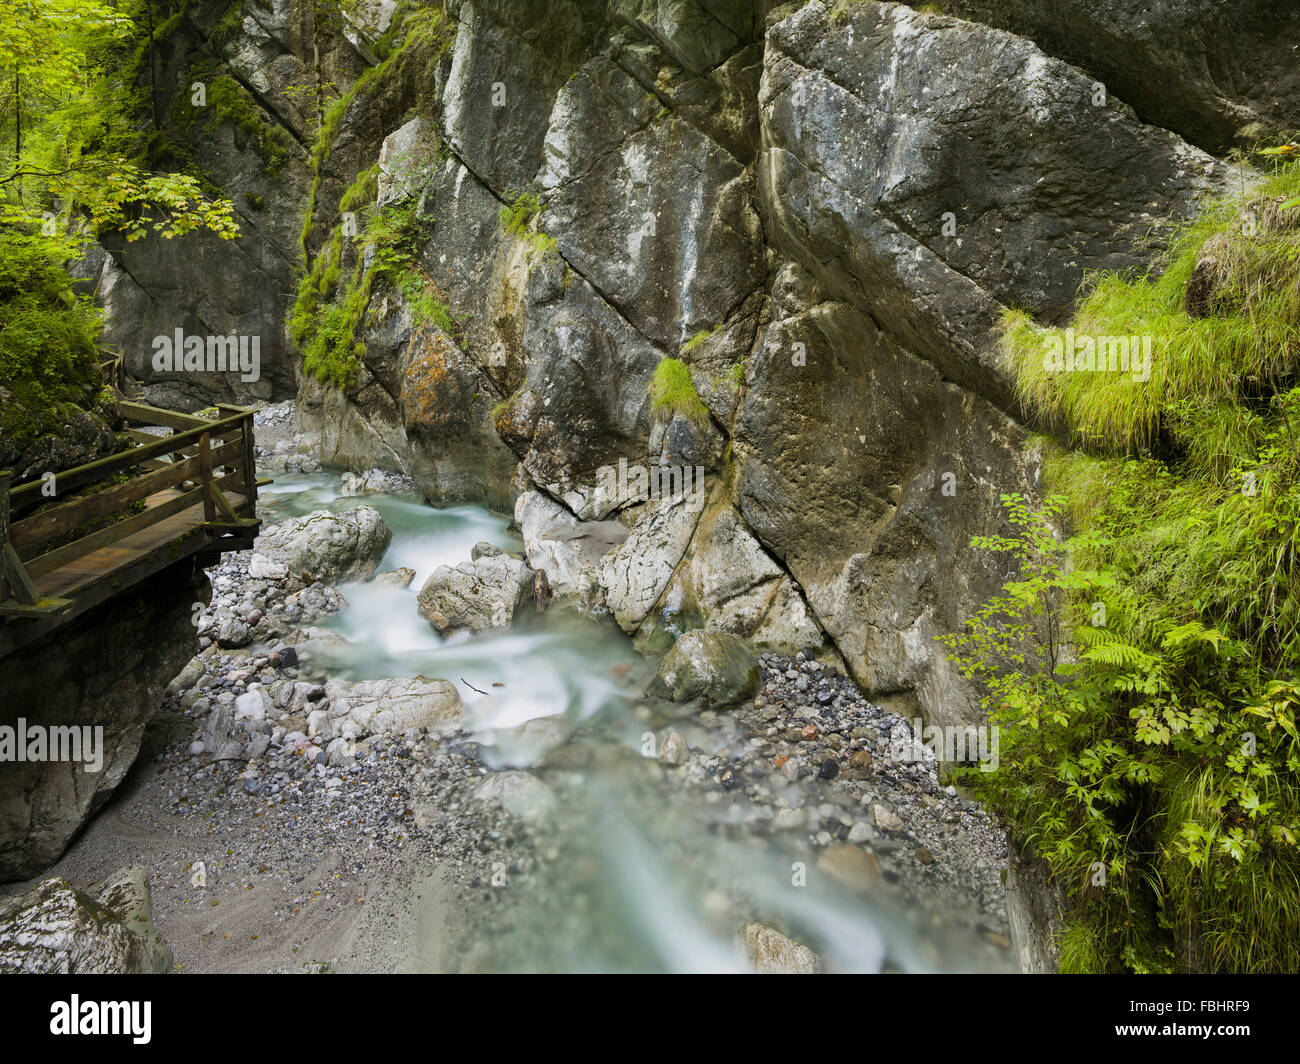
(637, 877)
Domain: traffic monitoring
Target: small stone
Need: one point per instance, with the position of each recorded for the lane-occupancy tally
(885, 818)
(860, 833)
(924, 856)
(673, 751)
(788, 819)
(830, 769)
(852, 867)
(809, 733)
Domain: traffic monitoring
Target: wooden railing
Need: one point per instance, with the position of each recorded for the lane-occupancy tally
(133, 500)
(113, 366)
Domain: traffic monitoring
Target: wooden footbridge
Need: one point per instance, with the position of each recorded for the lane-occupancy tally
(68, 542)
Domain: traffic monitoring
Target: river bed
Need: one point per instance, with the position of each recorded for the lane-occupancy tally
(638, 868)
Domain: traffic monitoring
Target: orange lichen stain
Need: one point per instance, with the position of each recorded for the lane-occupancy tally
(432, 395)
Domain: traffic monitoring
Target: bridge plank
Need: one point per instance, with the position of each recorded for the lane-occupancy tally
(103, 564)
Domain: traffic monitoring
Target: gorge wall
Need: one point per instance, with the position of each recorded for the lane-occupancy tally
(820, 209)
(102, 676)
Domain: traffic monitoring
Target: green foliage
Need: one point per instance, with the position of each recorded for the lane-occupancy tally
(1142, 671)
(330, 311)
(334, 295)
(698, 339)
(519, 218)
(1202, 367)
(48, 337)
(1138, 739)
(672, 392)
(67, 146)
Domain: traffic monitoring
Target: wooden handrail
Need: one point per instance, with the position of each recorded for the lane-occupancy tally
(32, 533)
(171, 474)
(81, 475)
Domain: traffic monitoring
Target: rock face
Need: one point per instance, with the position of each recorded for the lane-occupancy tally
(485, 592)
(714, 667)
(1037, 909)
(995, 191)
(822, 213)
(1221, 75)
(250, 133)
(56, 929)
(103, 676)
(324, 545)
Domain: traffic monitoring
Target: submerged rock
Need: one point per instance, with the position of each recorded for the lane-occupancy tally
(519, 793)
(714, 667)
(396, 578)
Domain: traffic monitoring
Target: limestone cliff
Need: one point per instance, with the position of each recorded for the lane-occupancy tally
(520, 210)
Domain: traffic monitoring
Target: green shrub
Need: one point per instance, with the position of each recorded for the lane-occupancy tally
(48, 338)
(1142, 671)
(672, 392)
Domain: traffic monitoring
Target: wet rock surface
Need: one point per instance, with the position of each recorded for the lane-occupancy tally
(714, 667)
(56, 929)
(485, 592)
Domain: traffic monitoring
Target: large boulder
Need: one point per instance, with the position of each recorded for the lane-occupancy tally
(637, 572)
(569, 550)
(387, 707)
(56, 929)
(328, 546)
(485, 592)
(714, 667)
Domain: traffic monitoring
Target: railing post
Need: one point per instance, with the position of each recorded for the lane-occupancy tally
(250, 465)
(205, 473)
(13, 574)
(248, 457)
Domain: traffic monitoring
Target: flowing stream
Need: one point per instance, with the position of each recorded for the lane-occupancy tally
(635, 875)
